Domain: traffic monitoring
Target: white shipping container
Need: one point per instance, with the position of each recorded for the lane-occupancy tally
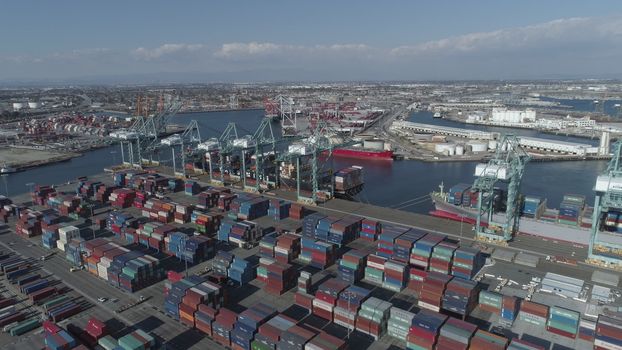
(343, 324)
(102, 272)
(281, 250)
(345, 313)
(428, 306)
(606, 345)
(320, 304)
(375, 265)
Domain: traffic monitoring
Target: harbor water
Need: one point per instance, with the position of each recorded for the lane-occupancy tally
(397, 184)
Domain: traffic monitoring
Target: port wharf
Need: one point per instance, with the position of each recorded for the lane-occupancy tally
(460, 231)
(169, 328)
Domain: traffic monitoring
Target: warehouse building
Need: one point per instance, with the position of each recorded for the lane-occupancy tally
(564, 285)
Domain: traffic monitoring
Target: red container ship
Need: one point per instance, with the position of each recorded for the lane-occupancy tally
(363, 153)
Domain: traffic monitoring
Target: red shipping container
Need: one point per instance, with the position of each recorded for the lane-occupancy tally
(416, 332)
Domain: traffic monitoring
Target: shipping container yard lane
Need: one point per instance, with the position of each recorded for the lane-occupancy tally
(145, 317)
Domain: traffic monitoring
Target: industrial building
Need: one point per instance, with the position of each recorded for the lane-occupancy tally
(555, 146)
(443, 130)
(559, 124)
(564, 285)
(503, 115)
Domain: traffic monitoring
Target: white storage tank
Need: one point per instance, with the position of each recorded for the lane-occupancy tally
(445, 148)
(374, 144)
(477, 146)
(17, 106)
(459, 150)
(33, 105)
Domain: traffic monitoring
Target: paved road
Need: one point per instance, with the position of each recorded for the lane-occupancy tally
(146, 316)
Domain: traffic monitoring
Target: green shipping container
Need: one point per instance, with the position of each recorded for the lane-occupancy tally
(412, 346)
(255, 345)
(349, 264)
(490, 339)
(128, 342)
(108, 343)
(25, 326)
(56, 301)
(562, 326)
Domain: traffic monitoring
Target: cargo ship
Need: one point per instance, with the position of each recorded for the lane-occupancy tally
(363, 153)
(571, 223)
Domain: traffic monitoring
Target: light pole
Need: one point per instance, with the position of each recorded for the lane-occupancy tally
(6, 187)
(30, 189)
(92, 229)
(349, 295)
(461, 221)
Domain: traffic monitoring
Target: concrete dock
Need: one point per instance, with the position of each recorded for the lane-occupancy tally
(150, 314)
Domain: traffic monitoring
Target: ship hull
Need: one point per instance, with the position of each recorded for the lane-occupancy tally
(363, 154)
(527, 226)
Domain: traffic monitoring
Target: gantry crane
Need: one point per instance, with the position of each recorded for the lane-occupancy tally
(143, 137)
(321, 142)
(262, 137)
(282, 107)
(189, 138)
(605, 247)
(508, 166)
(217, 147)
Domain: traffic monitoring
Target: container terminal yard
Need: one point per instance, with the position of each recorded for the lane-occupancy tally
(385, 286)
(243, 242)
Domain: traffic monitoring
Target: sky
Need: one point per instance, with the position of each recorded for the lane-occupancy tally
(314, 40)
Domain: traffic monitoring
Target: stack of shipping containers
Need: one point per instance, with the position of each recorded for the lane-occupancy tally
(563, 322)
(373, 317)
(608, 333)
(424, 330)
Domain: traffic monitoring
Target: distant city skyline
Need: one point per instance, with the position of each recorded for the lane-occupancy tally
(208, 41)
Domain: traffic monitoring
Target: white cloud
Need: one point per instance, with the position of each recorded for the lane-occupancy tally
(165, 50)
(544, 36)
(231, 50)
(255, 49)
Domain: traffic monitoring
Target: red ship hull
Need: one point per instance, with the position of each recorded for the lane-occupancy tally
(363, 154)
